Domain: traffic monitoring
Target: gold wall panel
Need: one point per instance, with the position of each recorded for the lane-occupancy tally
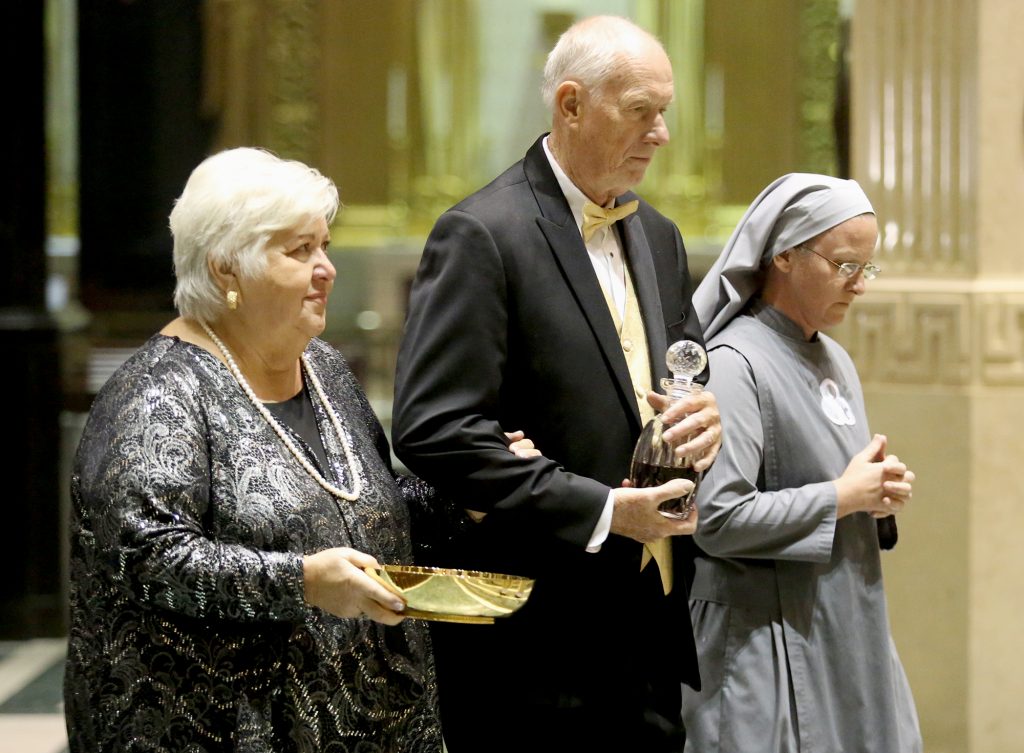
(755, 98)
(260, 74)
(385, 98)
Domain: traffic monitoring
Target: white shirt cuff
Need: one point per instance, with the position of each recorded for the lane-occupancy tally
(604, 525)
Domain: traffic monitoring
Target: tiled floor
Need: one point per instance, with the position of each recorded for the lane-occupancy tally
(31, 707)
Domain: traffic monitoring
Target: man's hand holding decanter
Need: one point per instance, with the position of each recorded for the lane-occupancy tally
(693, 418)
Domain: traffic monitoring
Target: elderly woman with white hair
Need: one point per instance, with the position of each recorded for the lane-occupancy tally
(230, 486)
(787, 602)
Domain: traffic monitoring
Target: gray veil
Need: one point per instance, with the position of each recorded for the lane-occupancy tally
(790, 211)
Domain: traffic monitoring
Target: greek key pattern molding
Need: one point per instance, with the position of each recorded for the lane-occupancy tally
(958, 336)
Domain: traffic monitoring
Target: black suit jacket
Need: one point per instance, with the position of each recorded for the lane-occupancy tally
(508, 329)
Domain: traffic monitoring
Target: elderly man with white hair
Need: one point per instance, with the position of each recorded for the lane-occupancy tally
(546, 301)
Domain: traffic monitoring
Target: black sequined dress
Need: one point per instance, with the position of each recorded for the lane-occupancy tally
(189, 630)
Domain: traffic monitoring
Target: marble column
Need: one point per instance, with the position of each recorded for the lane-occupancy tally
(938, 143)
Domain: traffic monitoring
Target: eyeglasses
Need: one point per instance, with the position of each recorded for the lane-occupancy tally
(848, 269)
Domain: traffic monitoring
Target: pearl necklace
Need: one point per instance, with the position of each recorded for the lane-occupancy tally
(353, 465)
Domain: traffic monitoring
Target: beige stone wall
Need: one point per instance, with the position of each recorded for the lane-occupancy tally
(926, 579)
(996, 616)
(939, 145)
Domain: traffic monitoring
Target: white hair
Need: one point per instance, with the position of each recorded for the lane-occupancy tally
(233, 203)
(589, 52)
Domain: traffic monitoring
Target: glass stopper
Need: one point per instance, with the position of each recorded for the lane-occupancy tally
(685, 359)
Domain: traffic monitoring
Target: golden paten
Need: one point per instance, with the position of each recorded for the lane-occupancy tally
(441, 594)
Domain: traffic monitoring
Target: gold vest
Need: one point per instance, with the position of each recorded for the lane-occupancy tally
(633, 340)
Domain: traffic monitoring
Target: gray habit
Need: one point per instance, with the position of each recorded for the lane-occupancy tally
(787, 605)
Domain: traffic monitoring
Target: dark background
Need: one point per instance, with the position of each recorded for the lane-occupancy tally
(141, 133)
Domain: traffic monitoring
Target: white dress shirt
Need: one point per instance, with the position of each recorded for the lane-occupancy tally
(605, 250)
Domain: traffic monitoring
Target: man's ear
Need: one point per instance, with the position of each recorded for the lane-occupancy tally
(568, 101)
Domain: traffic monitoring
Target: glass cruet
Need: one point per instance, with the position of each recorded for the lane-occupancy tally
(654, 460)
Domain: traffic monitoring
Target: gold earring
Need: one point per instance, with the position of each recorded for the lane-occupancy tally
(232, 300)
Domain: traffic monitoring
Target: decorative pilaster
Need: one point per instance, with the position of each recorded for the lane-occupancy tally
(915, 134)
(447, 67)
(261, 74)
(939, 342)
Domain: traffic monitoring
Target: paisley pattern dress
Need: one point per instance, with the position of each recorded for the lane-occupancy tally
(189, 628)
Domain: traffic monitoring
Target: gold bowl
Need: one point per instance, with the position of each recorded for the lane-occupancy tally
(433, 593)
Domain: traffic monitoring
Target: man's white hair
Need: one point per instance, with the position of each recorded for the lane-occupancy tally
(589, 52)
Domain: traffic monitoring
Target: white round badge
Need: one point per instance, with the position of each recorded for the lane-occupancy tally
(834, 404)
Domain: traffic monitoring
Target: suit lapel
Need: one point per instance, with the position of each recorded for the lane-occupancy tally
(645, 283)
(557, 224)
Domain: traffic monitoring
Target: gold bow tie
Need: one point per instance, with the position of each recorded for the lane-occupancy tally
(596, 217)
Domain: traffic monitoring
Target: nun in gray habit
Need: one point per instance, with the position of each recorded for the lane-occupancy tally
(787, 603)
